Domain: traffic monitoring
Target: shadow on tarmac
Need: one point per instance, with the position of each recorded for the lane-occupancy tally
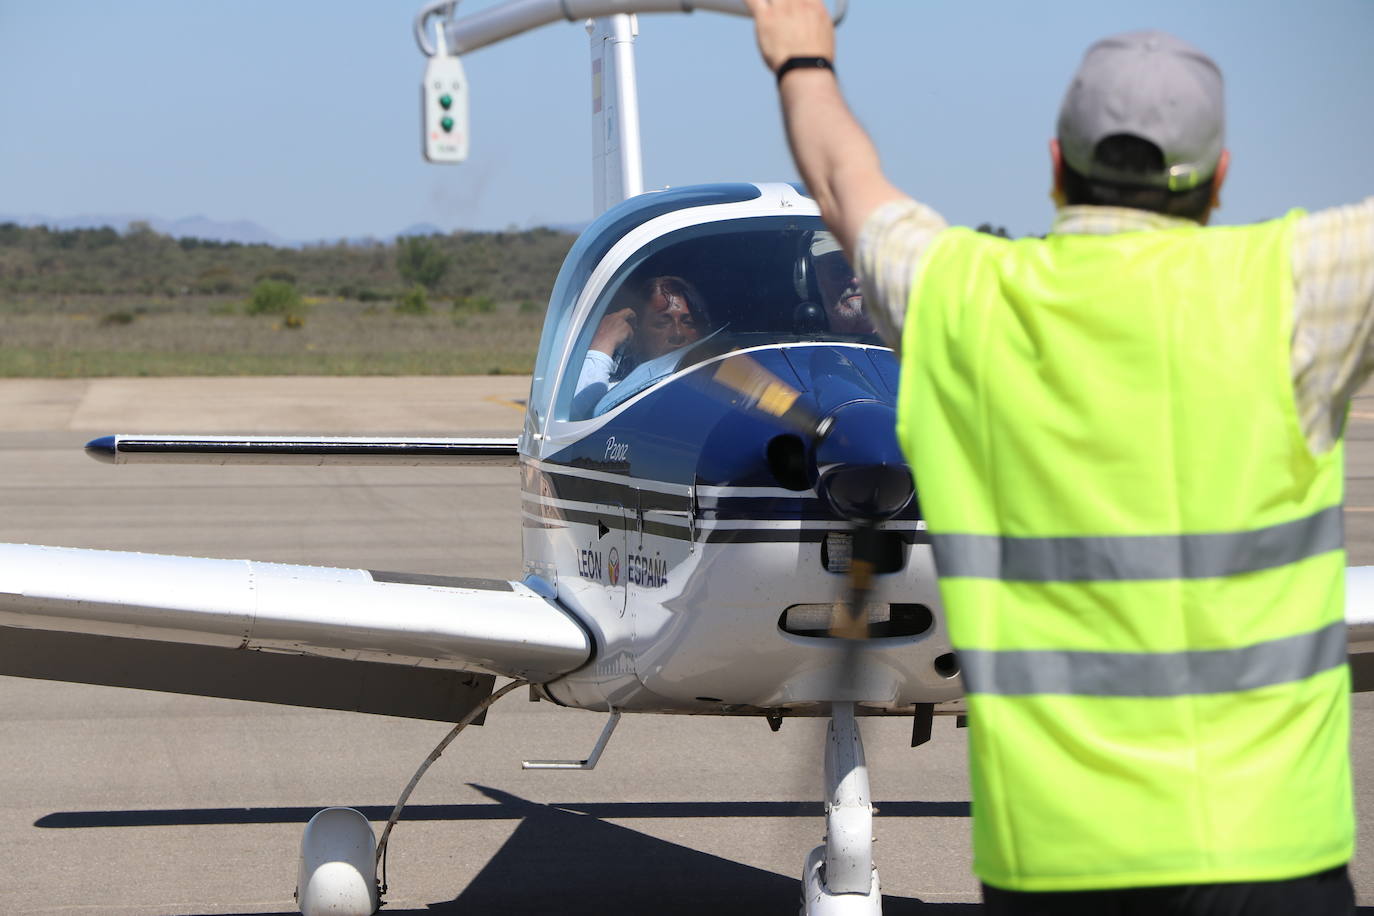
(562, 861)
(190, 817)
(565, 859)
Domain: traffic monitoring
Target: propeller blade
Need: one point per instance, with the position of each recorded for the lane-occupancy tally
(763, 391)
(850, 620)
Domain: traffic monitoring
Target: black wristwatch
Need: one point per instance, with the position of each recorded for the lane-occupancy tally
(804, 63)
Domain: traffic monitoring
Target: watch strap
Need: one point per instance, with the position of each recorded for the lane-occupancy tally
(803, 63)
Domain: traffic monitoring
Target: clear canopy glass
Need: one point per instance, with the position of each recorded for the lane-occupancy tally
(704, 290)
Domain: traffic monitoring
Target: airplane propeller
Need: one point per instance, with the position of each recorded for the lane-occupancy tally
(860, 491)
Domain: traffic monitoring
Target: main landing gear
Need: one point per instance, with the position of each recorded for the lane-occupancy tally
(839, 878)
(338, 867)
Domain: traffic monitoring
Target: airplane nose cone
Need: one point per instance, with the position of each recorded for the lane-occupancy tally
(868, 493)
(862, 473)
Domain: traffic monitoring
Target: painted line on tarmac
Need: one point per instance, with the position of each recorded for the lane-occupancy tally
(520, 405)
(1359, 508)
(1361, 415)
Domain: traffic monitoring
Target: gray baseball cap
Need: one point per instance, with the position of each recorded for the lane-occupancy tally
(1154, 86)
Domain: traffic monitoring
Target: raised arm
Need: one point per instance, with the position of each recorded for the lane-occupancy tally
(836, 158)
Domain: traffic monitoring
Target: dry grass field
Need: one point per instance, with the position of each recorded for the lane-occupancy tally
(94, 336)
(97, 302)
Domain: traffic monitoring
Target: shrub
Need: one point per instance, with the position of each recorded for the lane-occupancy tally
(419, 261)
(284, 274)
(413, 302)
(480, 304)
(217, 279)
(274, 297)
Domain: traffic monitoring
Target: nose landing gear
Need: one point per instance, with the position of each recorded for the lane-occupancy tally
(839, 878)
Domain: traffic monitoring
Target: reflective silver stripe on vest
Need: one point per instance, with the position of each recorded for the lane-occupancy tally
(1154, 674)
(1132, 557)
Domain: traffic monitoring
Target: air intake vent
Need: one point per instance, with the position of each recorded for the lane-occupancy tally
(787, 462)
(889, 551)
(884, 620)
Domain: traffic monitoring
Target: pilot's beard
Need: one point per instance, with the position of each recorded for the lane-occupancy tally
(849, 308)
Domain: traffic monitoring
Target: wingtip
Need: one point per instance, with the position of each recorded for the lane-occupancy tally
(102, 449)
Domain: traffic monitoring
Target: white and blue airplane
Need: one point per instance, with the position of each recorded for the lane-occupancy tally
(694, 516)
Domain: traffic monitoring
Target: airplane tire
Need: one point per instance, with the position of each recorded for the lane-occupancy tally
(338, 871)
(818, 901)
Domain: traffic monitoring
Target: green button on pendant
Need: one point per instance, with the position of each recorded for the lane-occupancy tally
(446, 101)
(446, 124)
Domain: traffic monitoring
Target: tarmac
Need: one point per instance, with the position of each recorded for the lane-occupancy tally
(126, 802)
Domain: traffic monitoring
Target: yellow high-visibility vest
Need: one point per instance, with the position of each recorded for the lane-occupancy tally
(1140, 558)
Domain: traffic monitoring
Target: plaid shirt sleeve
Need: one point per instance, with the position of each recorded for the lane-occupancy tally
(1333, 316)
(891, 244)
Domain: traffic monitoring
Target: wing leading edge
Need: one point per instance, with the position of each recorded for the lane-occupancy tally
(473, 625)
(306, 450)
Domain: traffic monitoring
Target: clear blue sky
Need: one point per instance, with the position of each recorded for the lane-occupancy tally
(303, 115)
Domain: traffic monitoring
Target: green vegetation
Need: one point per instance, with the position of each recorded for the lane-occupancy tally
(93, 302)
(420, 262)
(193, 335)
(274, 297)
(413, 301)
(480, 304)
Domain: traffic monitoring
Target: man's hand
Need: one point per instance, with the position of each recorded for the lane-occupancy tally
(792, 28)
(615, 329)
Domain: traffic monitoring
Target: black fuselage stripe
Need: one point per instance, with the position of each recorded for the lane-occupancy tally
(588, 490)
(612, 521)
(601, 513)
(712, 536)
(794, 535)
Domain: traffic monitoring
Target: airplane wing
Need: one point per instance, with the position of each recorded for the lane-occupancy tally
(1359, 606)
(396, 643)
(1359, 623)
(309, 450)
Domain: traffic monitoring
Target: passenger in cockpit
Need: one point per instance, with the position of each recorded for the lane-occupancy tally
(669, 313)
(841, 294)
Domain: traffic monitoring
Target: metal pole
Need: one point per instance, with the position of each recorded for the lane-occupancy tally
(622, 39)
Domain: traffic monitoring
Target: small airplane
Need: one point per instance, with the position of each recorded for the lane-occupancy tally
(716, 516)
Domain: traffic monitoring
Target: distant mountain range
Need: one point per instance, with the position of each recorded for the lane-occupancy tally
(200, 227)
(243, 231)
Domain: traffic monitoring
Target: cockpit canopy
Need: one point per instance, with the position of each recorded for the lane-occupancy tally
(686, 295)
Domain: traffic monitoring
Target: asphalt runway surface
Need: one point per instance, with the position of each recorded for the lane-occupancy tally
(127, 802)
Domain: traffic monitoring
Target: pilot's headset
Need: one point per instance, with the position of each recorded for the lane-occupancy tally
(808, 317)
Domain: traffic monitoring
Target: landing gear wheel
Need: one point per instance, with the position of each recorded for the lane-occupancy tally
(338, 866)
(817, 900)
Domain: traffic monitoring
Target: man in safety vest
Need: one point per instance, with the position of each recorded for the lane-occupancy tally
(1127, 437)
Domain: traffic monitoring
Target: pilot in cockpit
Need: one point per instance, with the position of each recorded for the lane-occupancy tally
(841, 295)
(668, 314)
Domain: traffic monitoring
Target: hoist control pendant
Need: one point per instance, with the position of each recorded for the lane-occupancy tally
(338, 867)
